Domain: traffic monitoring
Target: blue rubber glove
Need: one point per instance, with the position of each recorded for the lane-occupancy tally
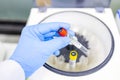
(37, 43)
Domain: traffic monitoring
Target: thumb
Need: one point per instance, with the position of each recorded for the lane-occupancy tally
(58, 43)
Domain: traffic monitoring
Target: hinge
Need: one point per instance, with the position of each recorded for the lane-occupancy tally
(42, 9)
(100, 9)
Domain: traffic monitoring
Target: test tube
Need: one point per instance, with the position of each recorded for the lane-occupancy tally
(72, 58)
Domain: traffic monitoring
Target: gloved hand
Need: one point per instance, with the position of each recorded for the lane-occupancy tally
(37, 43)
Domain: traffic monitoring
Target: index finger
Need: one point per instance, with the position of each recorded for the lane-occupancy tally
(44, 28)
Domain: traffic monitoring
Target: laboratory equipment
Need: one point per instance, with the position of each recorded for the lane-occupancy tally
(90, 34)
(95, 28)
(72, 58)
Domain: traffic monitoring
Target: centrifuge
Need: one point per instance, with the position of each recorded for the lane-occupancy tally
(95, 28)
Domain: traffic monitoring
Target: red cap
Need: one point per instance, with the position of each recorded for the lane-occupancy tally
(62, 32)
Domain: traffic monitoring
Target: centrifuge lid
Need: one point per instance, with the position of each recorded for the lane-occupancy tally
(80, 3)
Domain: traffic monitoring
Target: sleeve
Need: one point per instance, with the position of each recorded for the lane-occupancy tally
(11, 70)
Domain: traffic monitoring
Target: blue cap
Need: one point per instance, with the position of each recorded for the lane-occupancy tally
(118, 12)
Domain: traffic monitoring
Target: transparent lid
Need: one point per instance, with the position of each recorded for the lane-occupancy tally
(73, 3)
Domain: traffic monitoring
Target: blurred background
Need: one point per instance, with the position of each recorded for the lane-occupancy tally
(16, 12)
(19, 9)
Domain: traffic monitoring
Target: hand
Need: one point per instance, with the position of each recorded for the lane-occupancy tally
(37, 43)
